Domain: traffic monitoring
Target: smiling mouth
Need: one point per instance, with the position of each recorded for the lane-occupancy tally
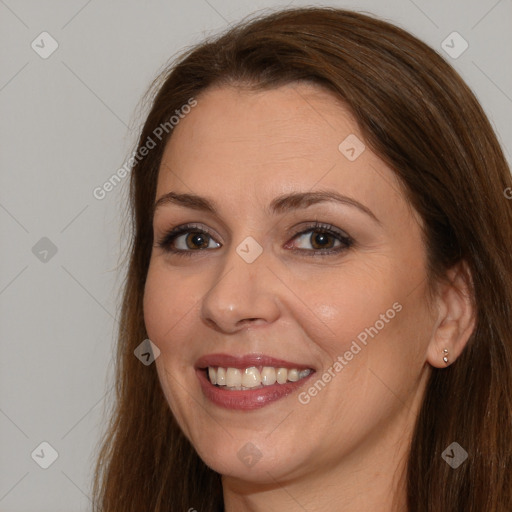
(250, 381)
(253, 377)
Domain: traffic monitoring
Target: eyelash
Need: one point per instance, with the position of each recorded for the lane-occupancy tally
(165, 241)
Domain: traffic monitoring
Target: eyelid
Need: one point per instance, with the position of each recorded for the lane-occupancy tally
(320, 226)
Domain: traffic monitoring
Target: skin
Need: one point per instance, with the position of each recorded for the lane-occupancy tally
(346, 448)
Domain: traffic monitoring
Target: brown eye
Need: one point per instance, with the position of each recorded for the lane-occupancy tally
(185, 240)
(322, 239)
(197, 240)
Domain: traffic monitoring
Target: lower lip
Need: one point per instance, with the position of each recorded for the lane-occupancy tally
(250, 399)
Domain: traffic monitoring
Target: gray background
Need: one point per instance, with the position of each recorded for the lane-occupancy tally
(68, 122)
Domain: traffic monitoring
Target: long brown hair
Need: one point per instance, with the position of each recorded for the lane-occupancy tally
(420, 117)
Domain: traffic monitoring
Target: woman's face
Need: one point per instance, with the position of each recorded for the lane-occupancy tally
(256, 285)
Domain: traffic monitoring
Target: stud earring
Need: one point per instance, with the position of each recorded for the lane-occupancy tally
(445, 357)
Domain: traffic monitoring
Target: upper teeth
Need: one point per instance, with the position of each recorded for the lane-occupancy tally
(252, 377)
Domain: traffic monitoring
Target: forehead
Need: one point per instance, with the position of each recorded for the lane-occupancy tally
(266, 128)
(250, 144)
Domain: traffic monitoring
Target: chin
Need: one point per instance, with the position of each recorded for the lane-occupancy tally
(252, 461)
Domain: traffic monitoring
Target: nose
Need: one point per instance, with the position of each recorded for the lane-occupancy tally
(241, 294)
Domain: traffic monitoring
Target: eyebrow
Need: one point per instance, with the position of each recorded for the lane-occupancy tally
(278, 205)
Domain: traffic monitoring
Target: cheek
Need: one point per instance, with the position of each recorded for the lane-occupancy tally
(164, 305)
(371, 334)
(347, 307)
(167, 316)
(155, 305)
(374, 315)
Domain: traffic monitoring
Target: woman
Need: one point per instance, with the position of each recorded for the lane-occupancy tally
(321, 260)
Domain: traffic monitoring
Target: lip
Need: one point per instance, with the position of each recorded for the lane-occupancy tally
(253, 398)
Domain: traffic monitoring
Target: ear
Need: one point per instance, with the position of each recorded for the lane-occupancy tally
(456, 317)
